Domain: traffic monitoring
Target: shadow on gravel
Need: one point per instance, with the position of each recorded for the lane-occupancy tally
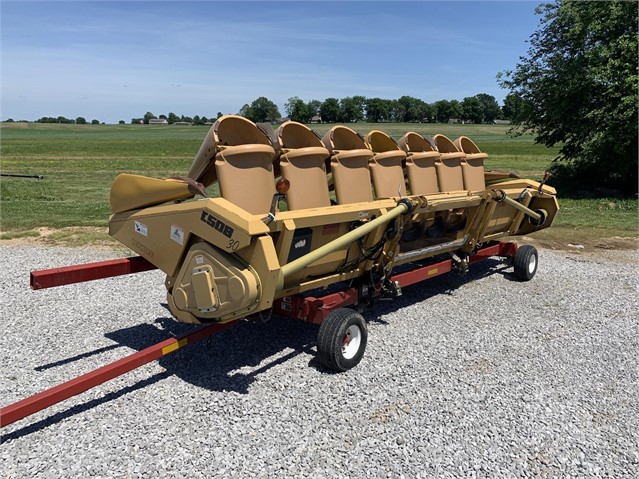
(80, 408)
(73, 359)
(232, 359)
(227, 361)
(446, 284)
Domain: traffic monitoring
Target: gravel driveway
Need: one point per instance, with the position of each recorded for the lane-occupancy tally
(478, 377)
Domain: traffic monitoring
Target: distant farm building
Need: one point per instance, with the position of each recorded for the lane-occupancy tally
(316, 119)
(501, 122)
(183, 123)
(158, 121)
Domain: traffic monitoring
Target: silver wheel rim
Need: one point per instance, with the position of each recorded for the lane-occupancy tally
(351, 341)
(532, 264)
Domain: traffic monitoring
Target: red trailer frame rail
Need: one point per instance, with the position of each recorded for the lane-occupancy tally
(315, 309)
(49, 278)
(38, 402)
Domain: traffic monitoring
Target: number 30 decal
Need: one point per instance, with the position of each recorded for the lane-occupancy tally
(233, 245)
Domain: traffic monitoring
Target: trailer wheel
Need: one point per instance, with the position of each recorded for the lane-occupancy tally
(341, 340)
(525, 262)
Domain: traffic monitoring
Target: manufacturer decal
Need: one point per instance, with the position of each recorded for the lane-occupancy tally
(362, 214)
(177, 234)
(143, 248)
(141, 228)
(300, 244)
(217, 224)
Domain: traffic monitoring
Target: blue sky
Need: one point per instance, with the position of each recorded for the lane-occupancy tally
(114, 60)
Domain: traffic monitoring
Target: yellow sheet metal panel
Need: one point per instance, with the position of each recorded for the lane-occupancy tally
(215, 285)
(204, 288)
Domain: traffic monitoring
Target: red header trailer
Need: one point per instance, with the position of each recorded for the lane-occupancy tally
(311, 309)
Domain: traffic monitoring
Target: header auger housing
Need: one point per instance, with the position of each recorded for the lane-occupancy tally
(356, 208)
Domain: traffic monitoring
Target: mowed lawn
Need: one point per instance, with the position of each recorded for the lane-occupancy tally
(79, 163)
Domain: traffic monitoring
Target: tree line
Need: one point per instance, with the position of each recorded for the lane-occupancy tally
(481, 108)
(173, 118)
(61, 119)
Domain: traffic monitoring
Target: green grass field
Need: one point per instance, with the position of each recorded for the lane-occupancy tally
(79, 163)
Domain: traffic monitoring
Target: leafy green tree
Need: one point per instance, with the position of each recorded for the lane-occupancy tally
(245, 111)
(329, 110)
(377, 109)
(398, 111)
(472, 109)
(360, 103)
(297, 110)
(419, 111)
(441, 111)
(445, 110)
(80, 121)
(121, 122)
(428, 113)
(95, 122)
(579, 80)
(490, 107)
(313, 107)
(172, 118)
(261, 110)
(455, 109)
(408, 108)
(351, 108)
(148, 116)
(515, 108)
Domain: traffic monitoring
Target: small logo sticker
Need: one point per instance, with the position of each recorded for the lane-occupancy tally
(362, 214)
(199, 259)
(177, 234)
(141, 228)
(300, 244)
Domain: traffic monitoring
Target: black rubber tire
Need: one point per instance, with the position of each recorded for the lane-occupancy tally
(331, 339)
(525, 262)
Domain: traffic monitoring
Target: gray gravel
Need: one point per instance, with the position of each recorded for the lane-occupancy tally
(479, 377)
